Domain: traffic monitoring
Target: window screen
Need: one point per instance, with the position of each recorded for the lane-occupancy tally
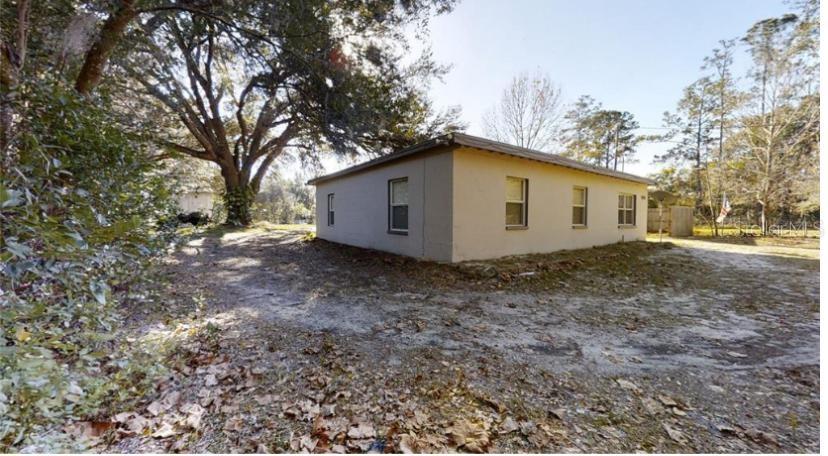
(330, 209)
(516, 201)
(398, 205)
(579, 206)
(626, 209)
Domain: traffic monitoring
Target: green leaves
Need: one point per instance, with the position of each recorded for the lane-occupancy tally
(10, 198)
(99, 291)
(239, 202)
(79, 208)
(18, 250)
(598, 136)
(317, 75)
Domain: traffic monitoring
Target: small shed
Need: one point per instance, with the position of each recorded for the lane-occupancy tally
(197, 201)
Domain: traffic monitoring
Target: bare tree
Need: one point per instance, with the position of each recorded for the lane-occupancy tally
(781, 126)
(529, 114)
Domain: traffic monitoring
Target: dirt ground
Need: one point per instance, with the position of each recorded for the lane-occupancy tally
(289, 343)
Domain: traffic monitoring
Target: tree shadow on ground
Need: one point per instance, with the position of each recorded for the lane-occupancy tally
(382, 325)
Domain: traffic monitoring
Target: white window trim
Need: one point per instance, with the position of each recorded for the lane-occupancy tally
(586, 203)
(523, 202)
(331, 209)
(391, 205)
(626, 209)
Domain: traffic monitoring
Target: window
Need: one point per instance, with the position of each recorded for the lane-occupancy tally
(516, 199)
(579, 206)
(330, 209)
(626, 210)
(398, 206)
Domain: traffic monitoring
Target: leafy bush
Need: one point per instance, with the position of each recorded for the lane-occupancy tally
(79, 205)
(282, 200)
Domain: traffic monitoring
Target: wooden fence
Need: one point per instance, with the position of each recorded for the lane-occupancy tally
(681, 221)
(652, 220)
(675, 220)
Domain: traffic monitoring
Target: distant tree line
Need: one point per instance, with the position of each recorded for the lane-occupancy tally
(754, 138)
(279, 200)
(284, 200)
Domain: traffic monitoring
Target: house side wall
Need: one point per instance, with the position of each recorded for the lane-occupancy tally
(196, 201)
(361, 207)
(479, 201)
(437, 200)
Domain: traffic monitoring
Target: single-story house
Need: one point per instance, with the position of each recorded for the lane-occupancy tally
(458, 197)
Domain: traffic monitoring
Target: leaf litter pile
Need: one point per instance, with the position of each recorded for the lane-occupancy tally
(287, 344)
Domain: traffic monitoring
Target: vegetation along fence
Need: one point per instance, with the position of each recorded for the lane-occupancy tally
(747, 226)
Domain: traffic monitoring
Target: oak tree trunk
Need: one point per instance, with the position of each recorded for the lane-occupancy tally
(97, 56)
(238, 197)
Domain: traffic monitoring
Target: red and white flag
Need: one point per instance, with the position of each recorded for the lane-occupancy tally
(725, 209)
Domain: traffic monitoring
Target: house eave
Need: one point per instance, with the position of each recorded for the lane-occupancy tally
(462, 139)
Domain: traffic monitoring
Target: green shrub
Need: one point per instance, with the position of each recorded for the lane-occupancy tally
(79, 209)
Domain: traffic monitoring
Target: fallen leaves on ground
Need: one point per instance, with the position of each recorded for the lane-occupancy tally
(472, 436)
(673, 433)
(262, 386)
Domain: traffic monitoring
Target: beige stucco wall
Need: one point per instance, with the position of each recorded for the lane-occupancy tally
(196, 201)
(361, 207)
(478, 226)
(457, 207)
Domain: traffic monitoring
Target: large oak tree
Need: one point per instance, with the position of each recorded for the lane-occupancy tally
(259, 78)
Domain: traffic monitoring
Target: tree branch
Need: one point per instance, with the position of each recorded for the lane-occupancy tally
(204, 155)
(270, 151)
(111, 33)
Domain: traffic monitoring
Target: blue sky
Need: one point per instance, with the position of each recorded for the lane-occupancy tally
(630, 55)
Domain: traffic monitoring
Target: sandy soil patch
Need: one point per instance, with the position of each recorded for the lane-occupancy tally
(300, 344)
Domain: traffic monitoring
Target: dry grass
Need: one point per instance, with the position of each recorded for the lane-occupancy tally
(707, 232)
(623, 268)
(769, 241)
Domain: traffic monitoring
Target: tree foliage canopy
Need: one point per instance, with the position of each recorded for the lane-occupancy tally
(755, 139)
(94, 93)
(278, 76)
(602, 137)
